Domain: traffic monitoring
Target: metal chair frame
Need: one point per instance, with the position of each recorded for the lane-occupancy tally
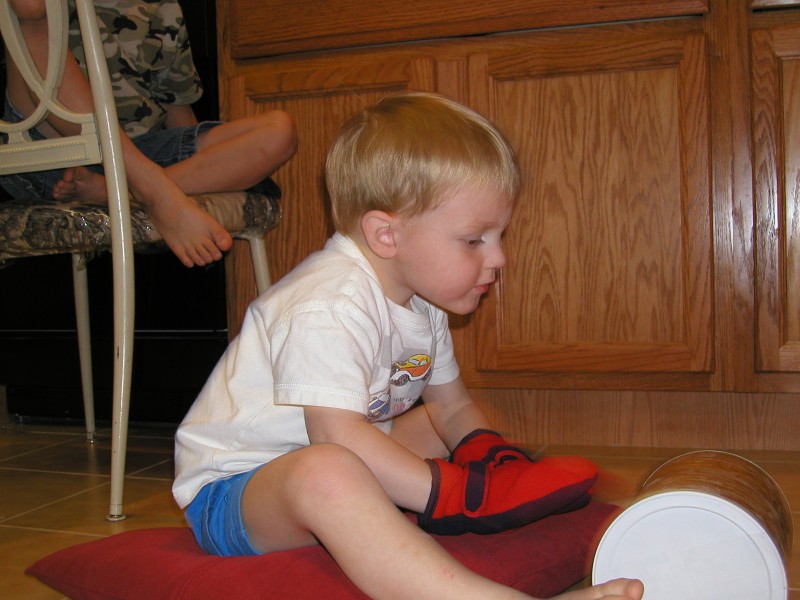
(97, 143)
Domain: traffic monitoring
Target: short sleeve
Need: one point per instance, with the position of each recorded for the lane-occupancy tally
(325, 358)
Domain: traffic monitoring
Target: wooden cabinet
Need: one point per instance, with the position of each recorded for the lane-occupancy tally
(636, 291)
(776, 169)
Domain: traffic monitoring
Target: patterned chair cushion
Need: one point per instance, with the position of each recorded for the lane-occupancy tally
(35, 228)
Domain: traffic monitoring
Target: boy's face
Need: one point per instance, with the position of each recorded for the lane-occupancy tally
(450, 255)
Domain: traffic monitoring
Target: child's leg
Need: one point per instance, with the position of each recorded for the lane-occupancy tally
(237, 155)
(326, 493)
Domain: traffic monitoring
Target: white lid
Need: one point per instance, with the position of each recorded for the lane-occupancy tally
(691, 545)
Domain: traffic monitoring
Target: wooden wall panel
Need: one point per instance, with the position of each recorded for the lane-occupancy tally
(645, 419)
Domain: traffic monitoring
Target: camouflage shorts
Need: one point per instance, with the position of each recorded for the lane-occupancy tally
(164, 147)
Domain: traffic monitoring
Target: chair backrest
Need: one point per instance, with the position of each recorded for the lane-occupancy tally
(20, 153)
(99, 140)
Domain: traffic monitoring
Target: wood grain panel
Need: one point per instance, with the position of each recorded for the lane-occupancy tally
(645, 419)
(260, 28)
(773, 3)
(776, 135)
(609, 252)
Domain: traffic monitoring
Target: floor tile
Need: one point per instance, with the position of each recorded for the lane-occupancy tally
(25, 491)
(79, 455)
(15, 443)
(148, 503)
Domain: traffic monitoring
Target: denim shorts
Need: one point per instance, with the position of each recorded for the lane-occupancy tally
(164, 147)
(215, 517)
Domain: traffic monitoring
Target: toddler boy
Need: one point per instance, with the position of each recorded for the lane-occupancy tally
(309, 429)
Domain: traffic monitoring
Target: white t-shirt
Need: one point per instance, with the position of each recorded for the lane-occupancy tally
(325, 335)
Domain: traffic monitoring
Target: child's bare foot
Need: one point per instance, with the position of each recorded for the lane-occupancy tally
(79, 183)
(191, 233)
(616, 589)
(194, 236)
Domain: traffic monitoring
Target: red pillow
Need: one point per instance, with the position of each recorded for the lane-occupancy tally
(542, 559)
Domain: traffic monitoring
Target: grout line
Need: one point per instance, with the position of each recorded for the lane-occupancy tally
(48, 530)
(131, 475)
(53, 502)
(39, 449)
(155, 464)
(51, 472)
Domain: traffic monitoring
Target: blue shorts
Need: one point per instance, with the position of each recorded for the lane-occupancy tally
(164, 147)
(215, 517)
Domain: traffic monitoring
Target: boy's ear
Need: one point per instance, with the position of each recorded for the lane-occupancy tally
(378, 229)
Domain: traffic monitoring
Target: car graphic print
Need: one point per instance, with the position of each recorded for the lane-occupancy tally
(379, 407)
(414, 368)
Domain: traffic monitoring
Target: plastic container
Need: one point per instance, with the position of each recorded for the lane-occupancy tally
(706, 525)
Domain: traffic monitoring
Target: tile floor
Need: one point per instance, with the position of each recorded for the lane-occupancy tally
(55, 491)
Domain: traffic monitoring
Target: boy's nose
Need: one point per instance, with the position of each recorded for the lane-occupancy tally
(497, 258)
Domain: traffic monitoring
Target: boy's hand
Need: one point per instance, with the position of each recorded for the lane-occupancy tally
(485, 444)
(488, 497)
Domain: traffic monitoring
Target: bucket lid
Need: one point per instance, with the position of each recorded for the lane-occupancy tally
(688, 544)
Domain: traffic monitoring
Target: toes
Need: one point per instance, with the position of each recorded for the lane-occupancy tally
(223, 241)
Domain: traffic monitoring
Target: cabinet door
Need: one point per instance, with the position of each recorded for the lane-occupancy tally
(609, 252)
(319, 94)
(776, 159)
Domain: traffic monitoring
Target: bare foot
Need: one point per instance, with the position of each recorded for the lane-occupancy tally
(79, 183)
(191, 233)
(616, 589)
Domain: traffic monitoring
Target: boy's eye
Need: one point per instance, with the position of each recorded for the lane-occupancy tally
(475, 242)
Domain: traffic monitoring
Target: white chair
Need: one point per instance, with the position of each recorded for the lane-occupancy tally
(31, 227)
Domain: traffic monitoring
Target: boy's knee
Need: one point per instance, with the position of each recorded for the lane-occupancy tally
(279, 131)
(328, 471)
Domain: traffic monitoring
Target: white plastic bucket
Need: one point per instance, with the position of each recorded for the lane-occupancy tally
(706, 525)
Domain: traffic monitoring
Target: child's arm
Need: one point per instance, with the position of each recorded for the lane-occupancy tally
(404, 475)
(452, 412)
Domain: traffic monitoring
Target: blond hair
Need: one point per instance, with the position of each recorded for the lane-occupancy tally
(409, 152)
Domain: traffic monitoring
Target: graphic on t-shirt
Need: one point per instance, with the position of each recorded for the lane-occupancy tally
(406, 383)
(413, 368)
(379, 407)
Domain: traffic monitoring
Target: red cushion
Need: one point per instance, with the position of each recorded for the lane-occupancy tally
(541, 559)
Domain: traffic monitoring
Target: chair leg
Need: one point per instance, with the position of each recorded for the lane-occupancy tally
(123, 361)
(258, 252)
(81, 289)
(5, 418)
